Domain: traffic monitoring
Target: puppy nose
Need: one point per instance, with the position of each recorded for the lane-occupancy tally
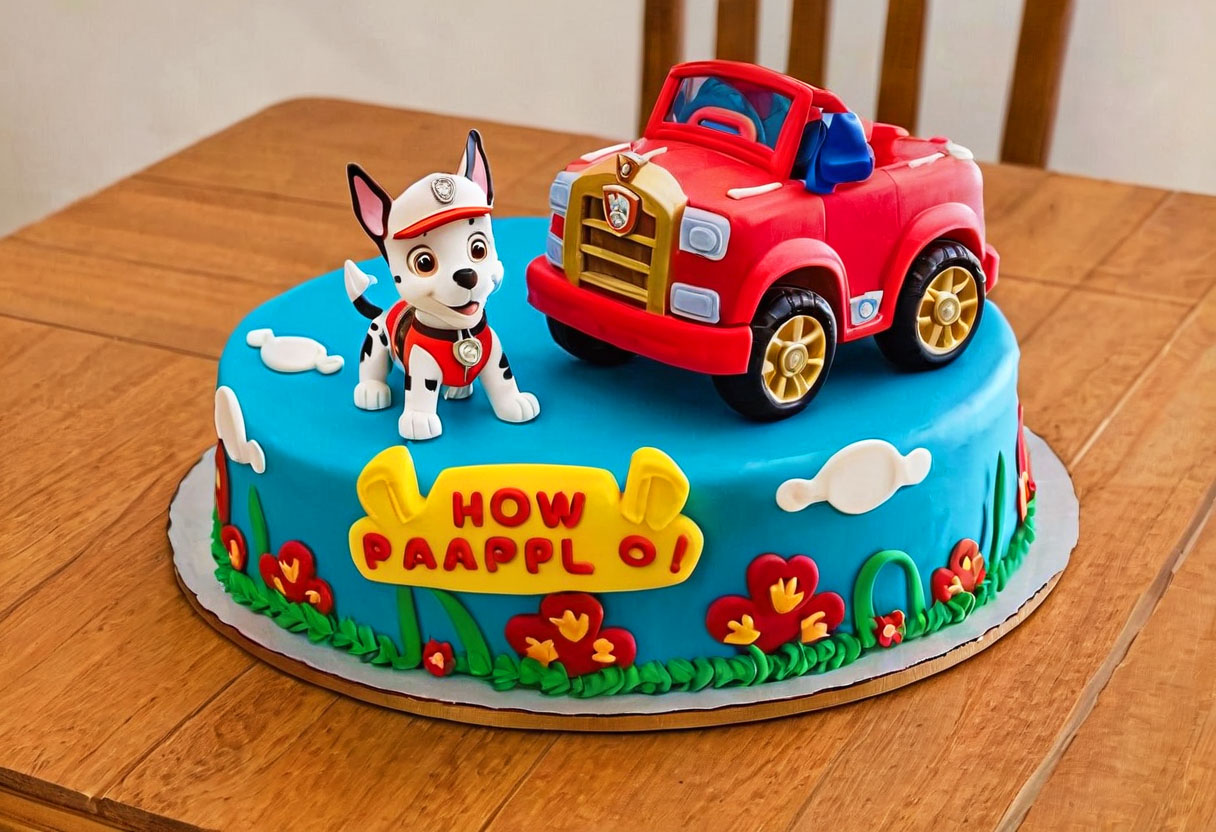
(466, 278)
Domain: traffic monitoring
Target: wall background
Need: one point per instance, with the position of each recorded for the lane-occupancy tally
(93, 91)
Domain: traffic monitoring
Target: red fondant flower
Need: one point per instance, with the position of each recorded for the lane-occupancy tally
(1026, 486)
(234, 544)
(782, 606)
(294, 574)
(437, 658)
(965, 571)
(223, 500)
(568, 630)
(889, 628)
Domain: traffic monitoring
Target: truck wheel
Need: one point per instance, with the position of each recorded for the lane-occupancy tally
(793, 344)
(581, 345)
(938, 311)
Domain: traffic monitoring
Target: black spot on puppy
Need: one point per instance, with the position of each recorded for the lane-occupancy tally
(375, 326)
(432, 384)
(367, 347)
(384, 339)
(505, 366)
(407, 382)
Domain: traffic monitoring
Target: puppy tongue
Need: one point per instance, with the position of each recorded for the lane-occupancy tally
(468, 309)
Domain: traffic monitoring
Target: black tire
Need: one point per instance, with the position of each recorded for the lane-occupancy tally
(584, 347)
(748, 392)
(903, 344)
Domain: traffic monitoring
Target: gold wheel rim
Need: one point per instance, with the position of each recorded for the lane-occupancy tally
(794, 359)
(948, 310)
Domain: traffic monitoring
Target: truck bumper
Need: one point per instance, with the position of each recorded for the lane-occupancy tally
(702, 348)
(991, 265)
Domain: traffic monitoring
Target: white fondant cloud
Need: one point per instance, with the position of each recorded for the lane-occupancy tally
(230, 428)
(292, 353)
(858, 478)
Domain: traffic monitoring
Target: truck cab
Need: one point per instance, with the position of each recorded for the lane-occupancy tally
(756, 224)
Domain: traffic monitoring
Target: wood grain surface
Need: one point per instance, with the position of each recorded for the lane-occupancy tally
(120, 706)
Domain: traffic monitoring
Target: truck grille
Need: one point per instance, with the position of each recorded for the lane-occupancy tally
(616, 265)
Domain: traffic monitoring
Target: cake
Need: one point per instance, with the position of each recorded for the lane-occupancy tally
(608, 520)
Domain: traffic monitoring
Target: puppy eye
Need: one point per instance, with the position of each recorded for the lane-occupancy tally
(477, 248)
(423, 262)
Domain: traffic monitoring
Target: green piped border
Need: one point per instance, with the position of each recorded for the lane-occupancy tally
(753, 667)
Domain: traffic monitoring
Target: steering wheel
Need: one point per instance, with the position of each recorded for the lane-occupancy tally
(738, 122)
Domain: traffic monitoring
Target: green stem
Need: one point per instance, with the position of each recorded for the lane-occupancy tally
(480, 661)
(863, 594)
(407, 620)
(998, 512)
(261, 537)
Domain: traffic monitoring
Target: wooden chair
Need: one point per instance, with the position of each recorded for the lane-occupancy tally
(1029, 116)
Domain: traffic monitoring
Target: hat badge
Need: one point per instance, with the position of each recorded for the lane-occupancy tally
(443, 188)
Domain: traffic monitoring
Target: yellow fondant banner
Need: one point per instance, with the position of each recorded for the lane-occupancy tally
(527, 528)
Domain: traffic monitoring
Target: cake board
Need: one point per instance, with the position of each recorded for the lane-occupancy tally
(469, 700)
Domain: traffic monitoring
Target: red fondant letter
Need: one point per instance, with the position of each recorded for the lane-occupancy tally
(522, 507)
(376, 549)
(574, 567)
(459, 552)
(537, 550)
(498, 550)
(560, 509)
(637, 551)
(418, 553)
(471, 509)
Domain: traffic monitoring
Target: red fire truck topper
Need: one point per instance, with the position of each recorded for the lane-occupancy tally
(755, 225)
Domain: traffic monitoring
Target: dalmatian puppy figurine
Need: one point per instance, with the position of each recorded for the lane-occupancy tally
(437, 241)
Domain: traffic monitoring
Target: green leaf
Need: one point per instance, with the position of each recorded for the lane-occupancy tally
(387, 652)
(261, 537)
(466, 628)
(407, 622)
(681, 670)
(703, 673)
(760, 661)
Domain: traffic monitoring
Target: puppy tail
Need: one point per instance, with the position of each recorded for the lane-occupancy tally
(357, 282)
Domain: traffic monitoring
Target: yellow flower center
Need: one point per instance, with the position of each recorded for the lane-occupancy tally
(234, 554)
(291, 570)
(785, 596)
(437, 660)
(956, 586)
(742, 632)
(814, 627)
(543, 651)
(889, 631)
(279, 585)
(603, 651)
(313, 597)
(572, 628)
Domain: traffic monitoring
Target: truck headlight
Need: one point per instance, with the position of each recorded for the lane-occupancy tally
(559, 203)
(695, 302)
(559, 192)
(702, 233)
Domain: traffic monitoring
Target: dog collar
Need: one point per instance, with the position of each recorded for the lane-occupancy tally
(452, 335)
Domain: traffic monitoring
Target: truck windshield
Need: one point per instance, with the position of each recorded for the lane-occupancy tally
(751, 112)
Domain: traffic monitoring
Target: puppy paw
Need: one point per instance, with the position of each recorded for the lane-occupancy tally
(418, 424)
(518, 407)
(457, 393)
(372, 395)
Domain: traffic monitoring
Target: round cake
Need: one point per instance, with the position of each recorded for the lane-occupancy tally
(638, 536)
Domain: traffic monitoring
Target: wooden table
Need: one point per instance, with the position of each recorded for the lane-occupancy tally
(119, 707)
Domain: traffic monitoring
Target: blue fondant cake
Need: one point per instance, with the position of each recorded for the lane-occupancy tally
(284, 540)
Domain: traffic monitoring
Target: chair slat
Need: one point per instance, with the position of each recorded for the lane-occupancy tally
(899, 84)
(809, 41)
(1030, 115)
(737, 20)
(662, 41)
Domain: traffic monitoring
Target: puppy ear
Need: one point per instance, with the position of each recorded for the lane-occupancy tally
(371, 203)
(475, 166)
